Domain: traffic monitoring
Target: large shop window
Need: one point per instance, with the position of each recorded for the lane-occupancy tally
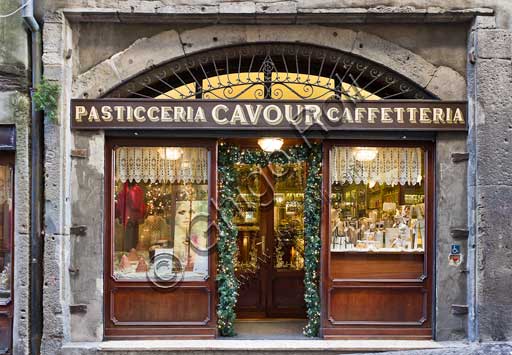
(377, 200)
(161, 206)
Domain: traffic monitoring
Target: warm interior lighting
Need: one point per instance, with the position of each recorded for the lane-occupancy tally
(270, 144)
(173, 153)
(366, 154)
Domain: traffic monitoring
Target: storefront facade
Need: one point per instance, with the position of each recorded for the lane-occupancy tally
(358, 224)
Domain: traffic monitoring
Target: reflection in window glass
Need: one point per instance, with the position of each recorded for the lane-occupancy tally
(5, 233)
(161, 207)
(377, 199)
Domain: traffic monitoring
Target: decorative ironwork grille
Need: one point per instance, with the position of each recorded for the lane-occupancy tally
(271, 71)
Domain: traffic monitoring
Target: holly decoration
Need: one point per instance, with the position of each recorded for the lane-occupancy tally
(228, 285)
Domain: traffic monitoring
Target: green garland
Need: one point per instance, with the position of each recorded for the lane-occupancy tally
(228, 285)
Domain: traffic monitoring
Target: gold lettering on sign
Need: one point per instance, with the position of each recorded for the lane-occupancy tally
(413, 112)
(200, 116)
(372, 114)
(438, 115)
(254, 115)
(138, 114)
(106, 114)
(165, 115)
(347, 116)
(119, 113)
(180, 114)
(80, 111)
(399, 114)
(268, 116)
(333, 114)
(152, 113)
(93, 115)
(215, 114)
(385, 115)
(424, 115)
(458, 118)
(360, 114)
(238, 116)
(129, 114)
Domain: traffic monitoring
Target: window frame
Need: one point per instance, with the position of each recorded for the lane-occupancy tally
(111, 145)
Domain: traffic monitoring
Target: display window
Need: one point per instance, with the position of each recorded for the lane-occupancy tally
(160, 207)
(377, 199)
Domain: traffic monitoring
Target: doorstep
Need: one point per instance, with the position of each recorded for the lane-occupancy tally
(253, 347)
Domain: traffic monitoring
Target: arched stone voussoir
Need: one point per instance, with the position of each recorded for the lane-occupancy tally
(147, 53)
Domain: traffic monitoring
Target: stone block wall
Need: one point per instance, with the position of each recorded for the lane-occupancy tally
(490, 181)
(15, 110)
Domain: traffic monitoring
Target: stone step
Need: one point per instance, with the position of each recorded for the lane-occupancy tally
(246, 347)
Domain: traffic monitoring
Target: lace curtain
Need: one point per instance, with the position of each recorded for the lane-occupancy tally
(161, 164)
(391, 166)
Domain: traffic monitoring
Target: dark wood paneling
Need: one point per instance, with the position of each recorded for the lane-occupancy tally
(378, 267)
(150, 306)
(378, 305)
(5, 332)
(288, 291)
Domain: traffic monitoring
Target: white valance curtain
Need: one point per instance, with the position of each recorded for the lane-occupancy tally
(391, 166)
(161, 164)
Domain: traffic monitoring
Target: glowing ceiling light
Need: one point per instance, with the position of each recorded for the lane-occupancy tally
(366, 154)
(270, 144)
(173, 153)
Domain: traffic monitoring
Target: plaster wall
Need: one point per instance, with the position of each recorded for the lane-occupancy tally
(15, 110)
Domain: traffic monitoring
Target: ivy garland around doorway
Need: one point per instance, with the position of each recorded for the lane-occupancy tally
(228, 285)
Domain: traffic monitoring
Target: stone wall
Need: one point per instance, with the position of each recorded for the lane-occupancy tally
(75, 185)
(490, 181)
(15, 110)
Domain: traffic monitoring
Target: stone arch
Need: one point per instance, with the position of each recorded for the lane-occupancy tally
(146, 53)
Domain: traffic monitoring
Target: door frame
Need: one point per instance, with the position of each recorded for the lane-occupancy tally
(7, 309)
(368, 330)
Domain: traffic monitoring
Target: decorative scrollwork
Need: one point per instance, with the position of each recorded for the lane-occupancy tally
(274, 71)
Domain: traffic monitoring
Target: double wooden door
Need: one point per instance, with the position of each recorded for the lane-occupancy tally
(270, 222)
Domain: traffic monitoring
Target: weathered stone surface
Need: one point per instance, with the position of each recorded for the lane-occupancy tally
(279, 7)
(494, 122)
(447, 84)
(494, 44)
(242, 7)
(484, 22)
(87, 285)
(450, 196)
(212, 36)
(338, 38)
(394, 57)
(96, 81)
(146, 53)
(494, 247)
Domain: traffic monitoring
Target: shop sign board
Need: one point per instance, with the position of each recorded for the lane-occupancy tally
(272, 115)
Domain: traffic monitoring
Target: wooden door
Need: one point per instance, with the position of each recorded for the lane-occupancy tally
(271, 267)
(6, 252)
(377, 243)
